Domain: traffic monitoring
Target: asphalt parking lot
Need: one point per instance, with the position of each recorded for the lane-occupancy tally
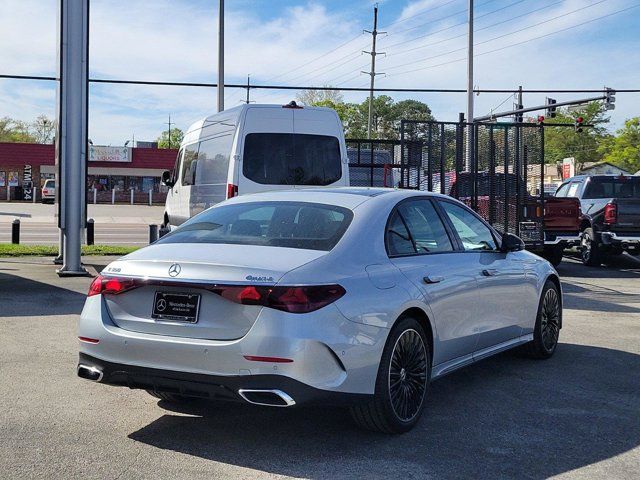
(576, 415)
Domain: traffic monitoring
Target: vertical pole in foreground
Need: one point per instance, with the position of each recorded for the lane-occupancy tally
(470, 86)
(72, 130)
(372, 73)
(221, 57)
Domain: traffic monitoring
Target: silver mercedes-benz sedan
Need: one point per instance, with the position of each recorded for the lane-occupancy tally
(357, 297)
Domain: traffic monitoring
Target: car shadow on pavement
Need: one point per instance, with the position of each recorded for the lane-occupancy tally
(24, 297)
(583, 296)
(623, 266)
(506, 417)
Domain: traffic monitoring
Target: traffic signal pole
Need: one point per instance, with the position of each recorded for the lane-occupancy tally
(72, 146)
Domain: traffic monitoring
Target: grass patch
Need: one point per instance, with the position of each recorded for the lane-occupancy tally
(11, 250)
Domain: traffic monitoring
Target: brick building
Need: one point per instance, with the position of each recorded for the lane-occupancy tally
(120, 168)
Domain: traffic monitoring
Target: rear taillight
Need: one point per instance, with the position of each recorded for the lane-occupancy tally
(232, 190)
(45, 191)
(111, 285)
(288, 299)
(610, 213)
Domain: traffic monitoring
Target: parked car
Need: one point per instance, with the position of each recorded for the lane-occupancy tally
(254, 148)
(48, 193)
(611, 214)
(548, 226)
(357, 297)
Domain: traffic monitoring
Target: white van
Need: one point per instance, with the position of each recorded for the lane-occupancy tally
(254, 148)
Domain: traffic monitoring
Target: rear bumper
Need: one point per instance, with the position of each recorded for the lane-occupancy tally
(213, 386)
(624, 241)
(565, 239)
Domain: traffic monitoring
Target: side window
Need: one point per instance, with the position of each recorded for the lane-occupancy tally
(573, 189)
(176, 167)
(475, 235)
(213, 160)
(397, 237)
(190, 164)
(426, 229)
(562, 191)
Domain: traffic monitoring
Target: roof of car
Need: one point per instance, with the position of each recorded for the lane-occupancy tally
(348, 197)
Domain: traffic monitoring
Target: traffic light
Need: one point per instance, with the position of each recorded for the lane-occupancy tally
(551, 108)
(540, 119)
(578, 124)
(610, 101)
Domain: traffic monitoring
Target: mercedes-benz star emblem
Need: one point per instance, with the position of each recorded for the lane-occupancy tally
(161, 305)
(174, 270)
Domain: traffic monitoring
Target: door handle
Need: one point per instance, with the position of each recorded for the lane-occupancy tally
(490, 272)
(430, 280)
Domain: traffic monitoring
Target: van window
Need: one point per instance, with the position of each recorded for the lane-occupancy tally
(189, 164)
(213, 160)
(291, 159)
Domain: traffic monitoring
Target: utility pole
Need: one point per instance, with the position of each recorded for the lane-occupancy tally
(221, 57)
(374, 33)
(470, 86)
(169, 130)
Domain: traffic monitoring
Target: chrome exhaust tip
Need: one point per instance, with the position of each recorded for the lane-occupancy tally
(90, 373)
(269, 398)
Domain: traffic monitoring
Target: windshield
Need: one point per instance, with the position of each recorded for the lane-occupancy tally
(291, 159)
(311, 226)
(613, 187)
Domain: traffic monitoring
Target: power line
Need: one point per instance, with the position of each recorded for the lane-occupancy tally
(510, 45)
(311, 87)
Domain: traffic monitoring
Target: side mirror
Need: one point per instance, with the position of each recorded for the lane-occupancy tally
(511, 243)
(166, 179)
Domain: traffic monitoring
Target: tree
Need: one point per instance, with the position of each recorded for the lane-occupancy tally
(562, 142)
(623, 150)
(15, 131)
(173, 141)
(43, 129)
(313, 96)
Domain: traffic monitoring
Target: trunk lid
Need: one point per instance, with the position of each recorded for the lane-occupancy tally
(199, 266)
(628, 210)
(562, 214)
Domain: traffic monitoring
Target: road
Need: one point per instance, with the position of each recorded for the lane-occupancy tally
(114, 224)
(575, 416)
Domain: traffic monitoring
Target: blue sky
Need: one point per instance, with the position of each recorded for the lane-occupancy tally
(296, 42)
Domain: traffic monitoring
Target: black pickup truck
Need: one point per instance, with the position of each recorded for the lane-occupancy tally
(610, 214)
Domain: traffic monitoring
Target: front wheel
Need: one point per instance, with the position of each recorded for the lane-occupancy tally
(402, 382)
(547, 328)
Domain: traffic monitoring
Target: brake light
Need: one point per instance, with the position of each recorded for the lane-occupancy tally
(45, 191)
(288, 299)
(111, 285)
(232, 190)
(610, 213)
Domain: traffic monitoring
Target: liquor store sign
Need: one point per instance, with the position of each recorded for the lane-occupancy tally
(99, 153)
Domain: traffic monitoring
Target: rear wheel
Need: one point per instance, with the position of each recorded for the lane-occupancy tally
(169, 397)
(590, 249)
(402, 381)
(547, 329)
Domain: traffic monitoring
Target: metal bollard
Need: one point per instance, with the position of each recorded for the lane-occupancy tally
(15, 231)
(153, 233)
(132, 196)
(95, 195)
(150, 197)
(113, 196)
(90, 231)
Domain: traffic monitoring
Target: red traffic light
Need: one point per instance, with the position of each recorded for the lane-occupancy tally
(579, 120)
(540, 118)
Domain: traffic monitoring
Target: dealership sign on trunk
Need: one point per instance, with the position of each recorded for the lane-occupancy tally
(99, 153)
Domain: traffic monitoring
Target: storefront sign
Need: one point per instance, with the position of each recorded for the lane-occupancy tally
(13, 179)
(568, 167)
(108, 154)
(27, 183)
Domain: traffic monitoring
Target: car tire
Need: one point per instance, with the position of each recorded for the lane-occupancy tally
(553, 255)
(590, 249)
(169, 397)
(402, 382)
(548, 321)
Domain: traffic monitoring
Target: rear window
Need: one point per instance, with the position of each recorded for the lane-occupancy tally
(291, 159)
(613, 187)
(311, 226)
(50, 184)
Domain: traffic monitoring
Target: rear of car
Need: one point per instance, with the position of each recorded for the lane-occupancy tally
(49, 191)
(207, 310)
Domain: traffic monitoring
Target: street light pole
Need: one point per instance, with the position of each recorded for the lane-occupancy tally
(470, 86)
(221, 57)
